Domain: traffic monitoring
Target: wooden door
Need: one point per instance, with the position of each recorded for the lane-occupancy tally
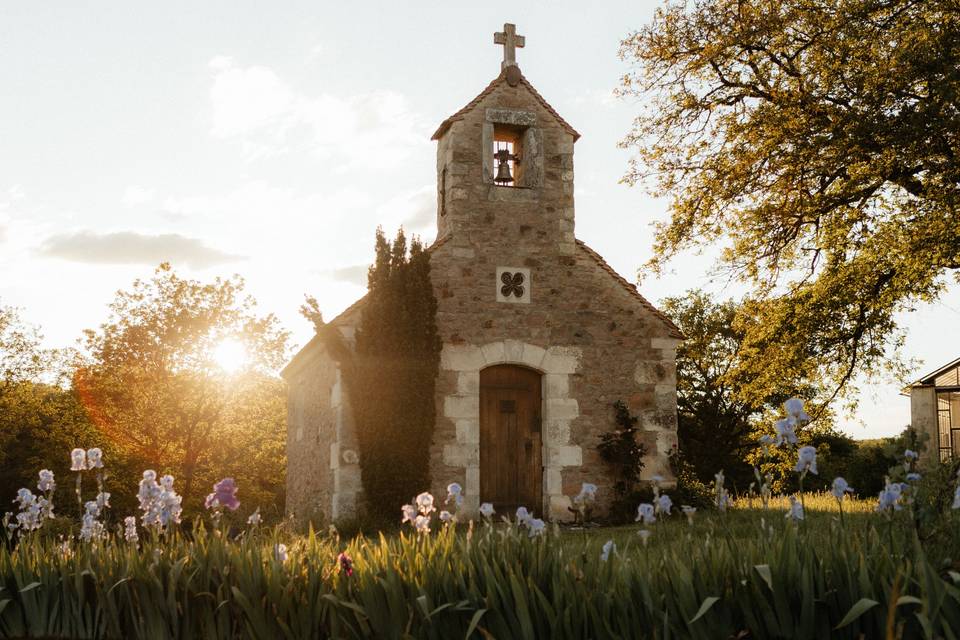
(511, 469)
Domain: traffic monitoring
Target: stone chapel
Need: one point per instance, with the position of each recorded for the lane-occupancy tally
(540, 335)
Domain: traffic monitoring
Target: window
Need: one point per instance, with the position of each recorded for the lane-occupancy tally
(443, 192)
(948, 424)
(507, 155)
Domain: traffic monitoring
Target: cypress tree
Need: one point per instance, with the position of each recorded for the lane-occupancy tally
(393, 375)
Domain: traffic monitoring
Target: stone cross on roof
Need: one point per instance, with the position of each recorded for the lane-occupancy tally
(510, 41)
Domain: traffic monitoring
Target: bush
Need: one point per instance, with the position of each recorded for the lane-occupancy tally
(690, 490)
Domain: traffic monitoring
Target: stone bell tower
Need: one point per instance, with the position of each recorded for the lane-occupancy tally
(505, 165)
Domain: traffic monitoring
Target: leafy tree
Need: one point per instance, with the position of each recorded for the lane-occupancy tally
(21, 360)
(153, 386)
(40, 422)
(44, 423)
(392, 376)
(820, 139)
(718, 429)
(21, 355)
(714, 426)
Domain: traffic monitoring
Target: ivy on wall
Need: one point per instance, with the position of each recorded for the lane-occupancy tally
(391, 377)
(623, 453)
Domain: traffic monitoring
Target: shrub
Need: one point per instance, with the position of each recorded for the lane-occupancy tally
(689, 490)
(623, 453)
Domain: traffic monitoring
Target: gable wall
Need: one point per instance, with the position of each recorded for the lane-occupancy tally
(612, 348)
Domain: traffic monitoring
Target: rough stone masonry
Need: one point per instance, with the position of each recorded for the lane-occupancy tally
(513, 286)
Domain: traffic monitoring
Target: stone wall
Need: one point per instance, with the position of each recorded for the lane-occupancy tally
(612, 345)
(923, 418)
(323, 474)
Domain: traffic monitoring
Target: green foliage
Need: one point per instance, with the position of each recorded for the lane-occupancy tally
(155, 391)
(818, 142)
(865, 467)
(149, 395)
(714, 426)
(621, 449)
(392, 376)
(623, 452)
(690, 489)
(724, 576)
(43, 425)
(717, 427)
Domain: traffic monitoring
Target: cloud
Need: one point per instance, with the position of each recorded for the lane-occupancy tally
(254, 105)
(135, 194)
(415, 210)
(3, 233)
(596, 97)
(127, 247)
(316, 51)
(354, 274)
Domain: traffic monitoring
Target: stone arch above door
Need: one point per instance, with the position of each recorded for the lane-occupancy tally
(560, 409)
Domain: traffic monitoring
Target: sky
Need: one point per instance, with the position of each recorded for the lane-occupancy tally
(270, 140)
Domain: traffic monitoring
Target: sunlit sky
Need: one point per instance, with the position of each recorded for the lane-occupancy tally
(270, 139)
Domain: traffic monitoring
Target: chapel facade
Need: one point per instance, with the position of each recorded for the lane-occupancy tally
(540, 335)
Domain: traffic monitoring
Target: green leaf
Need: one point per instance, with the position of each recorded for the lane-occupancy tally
(117, 584)
(862, 606)
(474, 621)
(902, 600)
(764, 571)
(707, 603)
(30, 587)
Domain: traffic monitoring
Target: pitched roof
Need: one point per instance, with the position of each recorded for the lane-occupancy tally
(632, 289)
(490, 87)
(929, 379)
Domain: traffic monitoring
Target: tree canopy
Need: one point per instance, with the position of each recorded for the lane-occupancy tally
(153, 385)
(818, 142)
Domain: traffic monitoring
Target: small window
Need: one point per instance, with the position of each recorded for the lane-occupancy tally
(443, 192)
(507, 155)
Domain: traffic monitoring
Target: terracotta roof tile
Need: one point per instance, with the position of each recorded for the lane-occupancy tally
(490, 87)
(674, 330)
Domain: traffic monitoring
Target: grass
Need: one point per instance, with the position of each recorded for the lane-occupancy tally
(745, 520)
(746, 570)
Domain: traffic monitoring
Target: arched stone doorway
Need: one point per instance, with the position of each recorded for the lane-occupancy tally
(511, 462)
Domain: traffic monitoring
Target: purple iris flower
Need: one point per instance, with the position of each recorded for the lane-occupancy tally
(224, 495)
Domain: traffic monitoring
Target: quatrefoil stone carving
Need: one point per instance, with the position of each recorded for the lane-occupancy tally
(513, 284)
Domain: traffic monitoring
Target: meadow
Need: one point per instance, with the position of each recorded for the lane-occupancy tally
(742, 572)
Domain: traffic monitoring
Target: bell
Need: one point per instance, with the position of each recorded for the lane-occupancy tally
(503, 157)
(503, 172)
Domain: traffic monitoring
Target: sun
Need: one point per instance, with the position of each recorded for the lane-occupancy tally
(231, 355)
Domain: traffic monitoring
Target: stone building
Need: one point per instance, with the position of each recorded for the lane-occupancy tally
(540, 335)
(935, 410)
